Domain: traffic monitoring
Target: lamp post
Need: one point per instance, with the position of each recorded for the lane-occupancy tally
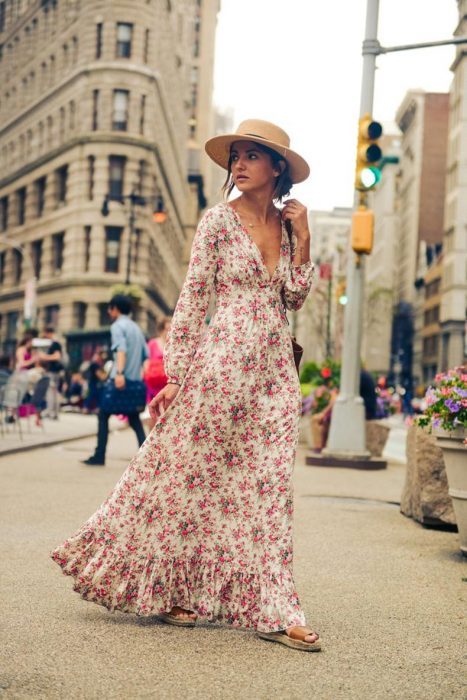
(159, 216)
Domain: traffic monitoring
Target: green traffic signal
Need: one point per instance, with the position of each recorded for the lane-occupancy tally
(367, 175)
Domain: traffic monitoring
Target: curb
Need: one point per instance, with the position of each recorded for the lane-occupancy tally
(50, 443)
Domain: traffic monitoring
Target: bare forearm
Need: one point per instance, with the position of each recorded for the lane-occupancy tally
(121, 361)
(302, 252)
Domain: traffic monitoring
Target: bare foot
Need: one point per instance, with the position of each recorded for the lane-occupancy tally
(303, 634)
(182, 613)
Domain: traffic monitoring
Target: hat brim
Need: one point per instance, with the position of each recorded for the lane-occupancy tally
(218, 149)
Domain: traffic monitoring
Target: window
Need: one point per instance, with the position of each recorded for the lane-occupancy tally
(95, 110)
(99, 27)
(51, 313)
(2, 15)
(2, 266)
(72, 108)
(91, 164)
(116, 176)
(21, 198)
(61, 182)
(36, 254)
(40, 185)
(12, 319)
(4, 213)
(103, 314)
(142, 109)
(141, 177)
(87, 247)
(112, 247)
(17, 266)
(62, 124)
(120, 110)
(124, 35)
(79, 314)
(136, 247)
(146, 46)
(58, 246)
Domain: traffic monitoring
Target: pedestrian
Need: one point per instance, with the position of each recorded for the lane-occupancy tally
(154, 373)
(130, 351)
(24, 356)
(368, 394)
(51, 359)
(200, 524)
(96, 376)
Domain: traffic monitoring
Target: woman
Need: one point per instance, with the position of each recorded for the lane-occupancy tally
(24, 353)
(154, 374)
(200, 523)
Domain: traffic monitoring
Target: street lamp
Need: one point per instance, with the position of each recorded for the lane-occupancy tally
(159, 215)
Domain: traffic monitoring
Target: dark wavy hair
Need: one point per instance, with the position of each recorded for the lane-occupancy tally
(283, 181)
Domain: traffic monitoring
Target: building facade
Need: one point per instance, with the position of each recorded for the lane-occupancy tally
(423, 120)
(95, 103)
(319, 326)
(453, 351)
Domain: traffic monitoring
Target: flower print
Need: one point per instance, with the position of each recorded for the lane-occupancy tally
(203, 513)
(199, 432)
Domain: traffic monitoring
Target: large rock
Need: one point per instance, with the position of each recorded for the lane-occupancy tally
(376, 437)
(425, 495)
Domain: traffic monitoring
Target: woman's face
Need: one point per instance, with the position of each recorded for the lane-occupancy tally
(252, 168)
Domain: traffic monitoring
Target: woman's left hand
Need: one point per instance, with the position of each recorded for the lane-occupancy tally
(297, 214)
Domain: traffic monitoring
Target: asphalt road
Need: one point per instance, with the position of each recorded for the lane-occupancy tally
(384, 593)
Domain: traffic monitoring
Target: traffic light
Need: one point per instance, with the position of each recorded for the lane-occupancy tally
(367, 173)
(363, 224)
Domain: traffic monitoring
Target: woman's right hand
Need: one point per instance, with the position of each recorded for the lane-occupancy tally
(160, 403)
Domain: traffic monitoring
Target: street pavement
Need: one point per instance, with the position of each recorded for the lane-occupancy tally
(384, 593)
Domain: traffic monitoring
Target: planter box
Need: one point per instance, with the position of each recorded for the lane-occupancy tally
(425, 496)
(455, 459)
(376, 437)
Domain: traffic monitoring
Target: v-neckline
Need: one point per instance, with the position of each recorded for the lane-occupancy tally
(255, 245)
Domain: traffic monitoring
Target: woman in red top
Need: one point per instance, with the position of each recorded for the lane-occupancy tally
(154, 374)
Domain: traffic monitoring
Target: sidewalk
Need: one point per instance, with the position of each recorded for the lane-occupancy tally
(69, 426)
(384, 593)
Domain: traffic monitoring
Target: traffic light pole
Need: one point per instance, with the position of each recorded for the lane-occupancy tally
(347, 431)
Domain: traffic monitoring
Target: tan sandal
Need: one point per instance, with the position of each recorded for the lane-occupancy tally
(294, 640)
(178, 620)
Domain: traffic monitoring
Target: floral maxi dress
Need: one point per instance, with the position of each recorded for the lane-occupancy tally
(202, 517)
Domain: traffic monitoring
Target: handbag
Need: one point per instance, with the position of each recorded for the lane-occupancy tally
(296, 347)
(130, 399)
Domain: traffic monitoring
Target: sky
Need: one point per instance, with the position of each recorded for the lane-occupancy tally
(298, 64)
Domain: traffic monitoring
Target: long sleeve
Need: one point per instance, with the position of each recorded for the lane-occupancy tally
(298, 283)
(190, 312)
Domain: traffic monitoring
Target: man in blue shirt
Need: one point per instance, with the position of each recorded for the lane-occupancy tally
(129, 351)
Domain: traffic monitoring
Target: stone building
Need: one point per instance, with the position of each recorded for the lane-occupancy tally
(453, 350)
(431, 330)
(321, 321)
(98, 99)
(423, 120)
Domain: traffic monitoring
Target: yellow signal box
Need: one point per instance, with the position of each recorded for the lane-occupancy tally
(367, 173)
(363, 225)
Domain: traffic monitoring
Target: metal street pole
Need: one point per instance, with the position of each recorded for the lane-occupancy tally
(347, 431)
(130, 237)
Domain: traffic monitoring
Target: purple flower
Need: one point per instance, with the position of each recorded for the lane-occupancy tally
(461, 392)
(454, 406)
(436, 422)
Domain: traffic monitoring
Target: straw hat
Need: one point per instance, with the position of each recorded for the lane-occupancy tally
(265, 133)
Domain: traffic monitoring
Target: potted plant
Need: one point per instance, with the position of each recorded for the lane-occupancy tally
(445, 414)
